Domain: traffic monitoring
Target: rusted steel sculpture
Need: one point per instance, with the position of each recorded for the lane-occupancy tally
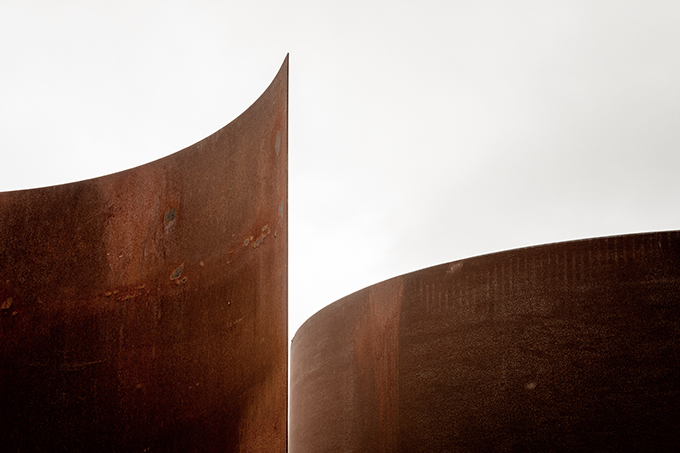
(147, 310)
(563, 347)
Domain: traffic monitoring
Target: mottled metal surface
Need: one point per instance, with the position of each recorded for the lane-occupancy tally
(562, 347)
(147, 310)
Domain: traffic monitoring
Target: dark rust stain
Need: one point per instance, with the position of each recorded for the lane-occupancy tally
(177, 272)
(169, 218)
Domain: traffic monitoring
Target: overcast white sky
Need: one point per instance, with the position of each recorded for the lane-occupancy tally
(421, 132)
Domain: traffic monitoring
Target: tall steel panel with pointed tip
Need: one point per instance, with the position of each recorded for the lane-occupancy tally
(147, 310)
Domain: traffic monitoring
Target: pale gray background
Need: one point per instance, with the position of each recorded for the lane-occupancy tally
(420, 132)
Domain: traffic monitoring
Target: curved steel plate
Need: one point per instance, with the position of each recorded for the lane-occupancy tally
(147, 310)
(561, 347)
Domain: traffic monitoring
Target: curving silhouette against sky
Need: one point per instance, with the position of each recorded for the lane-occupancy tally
(420, 132)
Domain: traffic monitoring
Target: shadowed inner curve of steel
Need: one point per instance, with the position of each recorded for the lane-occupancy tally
(147, 310)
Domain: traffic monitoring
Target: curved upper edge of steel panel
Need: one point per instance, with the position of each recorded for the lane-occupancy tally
(459, 263)
(566, 346)
(147, 309)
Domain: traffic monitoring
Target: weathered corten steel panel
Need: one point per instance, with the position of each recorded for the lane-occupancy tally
(563, 347)
(147, 310)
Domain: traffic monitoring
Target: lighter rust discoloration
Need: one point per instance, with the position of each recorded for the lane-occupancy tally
(7, 304)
